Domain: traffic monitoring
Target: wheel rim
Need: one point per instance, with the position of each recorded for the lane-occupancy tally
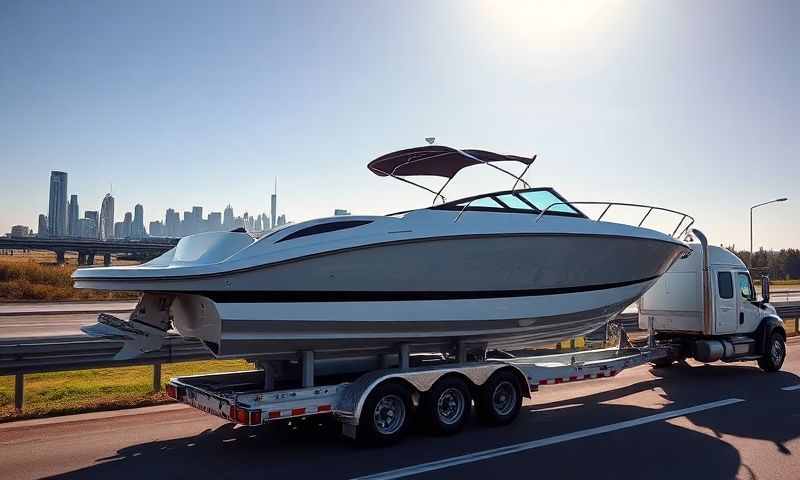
(504, 398)
(777, 351)
(389, 414)
(450, 406)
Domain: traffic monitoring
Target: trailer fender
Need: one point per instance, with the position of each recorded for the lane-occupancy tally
(769, 324)
(420, 381)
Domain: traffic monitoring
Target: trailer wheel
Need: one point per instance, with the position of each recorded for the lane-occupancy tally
(386, 415)
(775, 355)
(447, 405)
(500, 399)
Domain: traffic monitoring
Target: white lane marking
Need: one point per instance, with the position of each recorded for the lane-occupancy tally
(520, 447)
(793, 387)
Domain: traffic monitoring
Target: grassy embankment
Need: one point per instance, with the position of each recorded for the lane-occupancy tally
(31, 277)
(62, 393)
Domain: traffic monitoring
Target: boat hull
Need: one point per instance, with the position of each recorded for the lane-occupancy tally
(332, 329)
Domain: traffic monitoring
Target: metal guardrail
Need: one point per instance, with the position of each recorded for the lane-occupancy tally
(54, 354)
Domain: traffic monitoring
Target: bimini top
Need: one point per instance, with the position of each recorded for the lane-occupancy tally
(441, 161)
(436, 160)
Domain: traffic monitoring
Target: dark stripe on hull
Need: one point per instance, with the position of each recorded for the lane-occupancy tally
(366, 296)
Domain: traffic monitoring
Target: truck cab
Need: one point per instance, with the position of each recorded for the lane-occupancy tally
(707, 307)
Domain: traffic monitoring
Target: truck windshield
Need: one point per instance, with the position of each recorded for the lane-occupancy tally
(745, 286)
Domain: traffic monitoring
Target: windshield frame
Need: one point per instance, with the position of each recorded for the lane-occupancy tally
(458, 205)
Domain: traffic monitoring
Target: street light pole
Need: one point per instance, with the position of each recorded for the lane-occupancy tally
(750, 261)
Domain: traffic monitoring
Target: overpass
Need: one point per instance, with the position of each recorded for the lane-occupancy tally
(88, 248)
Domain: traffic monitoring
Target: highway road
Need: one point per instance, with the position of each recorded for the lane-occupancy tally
(710, 422)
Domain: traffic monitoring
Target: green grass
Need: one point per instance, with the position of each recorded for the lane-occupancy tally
(61, 393)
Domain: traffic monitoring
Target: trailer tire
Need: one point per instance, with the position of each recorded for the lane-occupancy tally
(386, 415)
(500, 398)
(773, 358)
(447, 406)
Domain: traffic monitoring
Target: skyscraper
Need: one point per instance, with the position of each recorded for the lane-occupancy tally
(273, 211)
(137, 228)
(57, 214)
(172, 222)
(214, 222)
(105, 226)
(197, 218)
(73, 214)
(156, 229)
(340, 211)
(126, 225)
(227, 218)
(43, 231)
(89, 227)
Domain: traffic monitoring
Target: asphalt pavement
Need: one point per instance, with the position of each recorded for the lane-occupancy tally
(709, 422)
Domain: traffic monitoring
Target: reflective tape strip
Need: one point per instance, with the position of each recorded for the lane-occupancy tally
(575, 378)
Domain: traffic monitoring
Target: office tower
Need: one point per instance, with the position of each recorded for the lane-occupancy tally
(126, 225)
(156, 229)
(172, 221)
(281, 220)
(118, 227)
(340, 211)
(105, 225)
(42, 231)
(273, 209)
(187, 224)
(197, 220)
(57, 214)
(73, 214)
(87, 227)
(18, 231)
(227, 218)
(137, 228)
(90, 230)
(258, 227)
(214, 222)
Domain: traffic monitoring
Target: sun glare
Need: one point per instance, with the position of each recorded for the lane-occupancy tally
(546, 23)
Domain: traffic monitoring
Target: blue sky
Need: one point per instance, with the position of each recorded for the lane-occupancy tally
(689, 105)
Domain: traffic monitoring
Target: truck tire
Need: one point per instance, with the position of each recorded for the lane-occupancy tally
(500, 399)
(775, 355)
(386, 415)
(447, 406)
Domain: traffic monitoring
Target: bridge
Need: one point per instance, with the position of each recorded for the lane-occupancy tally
(88, 248)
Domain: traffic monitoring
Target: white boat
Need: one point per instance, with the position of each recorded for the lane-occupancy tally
(505, 269)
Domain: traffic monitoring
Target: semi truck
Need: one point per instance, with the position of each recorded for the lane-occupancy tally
(703, 308)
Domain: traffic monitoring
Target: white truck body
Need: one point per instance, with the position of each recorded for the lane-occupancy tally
(675, 302)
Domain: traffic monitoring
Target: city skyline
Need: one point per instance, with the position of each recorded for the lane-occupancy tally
(682, 105)
(134, 225)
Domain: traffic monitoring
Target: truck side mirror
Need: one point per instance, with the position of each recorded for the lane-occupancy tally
(765, 288)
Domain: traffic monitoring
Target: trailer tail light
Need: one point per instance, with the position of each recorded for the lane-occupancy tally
(245, 417)
(172, 392)
(255, 417)
(175, 392)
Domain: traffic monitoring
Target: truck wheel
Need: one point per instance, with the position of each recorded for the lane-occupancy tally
(448, 405)
(386, 415)
(500, 399)
(775, 355)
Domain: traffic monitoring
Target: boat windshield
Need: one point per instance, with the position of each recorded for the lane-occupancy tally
(533, 200)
